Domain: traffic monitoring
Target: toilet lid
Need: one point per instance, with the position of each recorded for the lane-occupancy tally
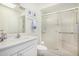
(41, 47)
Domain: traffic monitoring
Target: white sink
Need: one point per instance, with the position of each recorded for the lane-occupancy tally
(14, 41)
(8, 41)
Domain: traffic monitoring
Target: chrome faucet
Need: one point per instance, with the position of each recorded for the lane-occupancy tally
(3, 36)
(18, 35)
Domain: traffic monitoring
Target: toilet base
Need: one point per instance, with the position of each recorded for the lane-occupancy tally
(41, 52)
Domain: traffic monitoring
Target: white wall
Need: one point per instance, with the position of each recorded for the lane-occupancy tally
(9, 19)
(34, 9)
(58, 7)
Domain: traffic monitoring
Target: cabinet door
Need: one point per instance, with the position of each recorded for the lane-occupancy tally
(29, 51)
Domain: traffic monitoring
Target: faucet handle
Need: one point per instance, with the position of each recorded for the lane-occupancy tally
(18, 35)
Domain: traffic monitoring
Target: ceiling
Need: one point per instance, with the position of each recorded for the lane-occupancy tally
(38, 5)
(44, 5)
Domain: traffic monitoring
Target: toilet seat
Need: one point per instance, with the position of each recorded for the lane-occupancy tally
(41, 49)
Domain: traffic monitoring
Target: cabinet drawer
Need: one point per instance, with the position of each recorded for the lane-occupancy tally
(14, 54)
(30, 51)
(14, 49)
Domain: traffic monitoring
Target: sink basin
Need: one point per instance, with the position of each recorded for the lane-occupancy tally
(9, 41)
(14, 41)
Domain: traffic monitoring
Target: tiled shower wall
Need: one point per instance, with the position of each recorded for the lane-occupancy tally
(60, 32)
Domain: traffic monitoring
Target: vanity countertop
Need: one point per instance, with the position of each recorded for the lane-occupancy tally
(14, 41)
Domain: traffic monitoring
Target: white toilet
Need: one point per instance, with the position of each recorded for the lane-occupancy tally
(41, 49)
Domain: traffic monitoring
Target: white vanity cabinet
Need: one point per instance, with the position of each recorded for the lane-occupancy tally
(30, 51)
(27, 48)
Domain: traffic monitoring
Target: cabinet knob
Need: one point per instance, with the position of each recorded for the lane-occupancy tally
(20, 54)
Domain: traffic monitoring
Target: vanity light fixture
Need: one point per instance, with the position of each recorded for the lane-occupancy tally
(10, 5)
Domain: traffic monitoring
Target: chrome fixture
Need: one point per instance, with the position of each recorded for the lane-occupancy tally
(18, 35)
(3, 35)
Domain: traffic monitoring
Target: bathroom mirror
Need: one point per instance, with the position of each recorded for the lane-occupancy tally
(12, 20)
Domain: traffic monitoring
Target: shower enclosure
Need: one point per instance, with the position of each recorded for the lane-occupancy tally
(61, 32)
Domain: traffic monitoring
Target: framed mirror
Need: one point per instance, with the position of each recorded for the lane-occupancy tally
(11, 20)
